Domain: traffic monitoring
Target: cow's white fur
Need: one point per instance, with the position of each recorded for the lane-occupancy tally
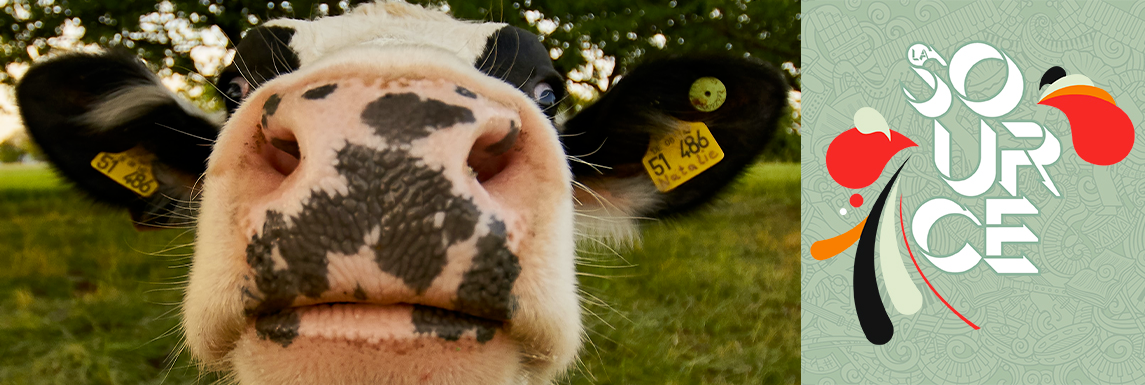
(387, 24)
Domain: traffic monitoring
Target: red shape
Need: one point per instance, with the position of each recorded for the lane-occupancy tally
(903, 225)
(1102, 133)
(855, 160)
(856, 200)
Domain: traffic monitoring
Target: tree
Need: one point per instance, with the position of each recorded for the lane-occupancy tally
(626, 30)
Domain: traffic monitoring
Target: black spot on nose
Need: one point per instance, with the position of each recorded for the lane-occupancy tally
(405, 117)
(271, 105)
(359, 294)
(320, 92)
(486, 289)
(466, 92)
(1052, 75)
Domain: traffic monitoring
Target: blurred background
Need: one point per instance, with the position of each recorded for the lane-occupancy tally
(712, 298)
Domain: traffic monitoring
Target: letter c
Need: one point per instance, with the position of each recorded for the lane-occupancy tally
(925, 218)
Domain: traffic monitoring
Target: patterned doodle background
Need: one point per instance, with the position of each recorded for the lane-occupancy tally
(1082, 320)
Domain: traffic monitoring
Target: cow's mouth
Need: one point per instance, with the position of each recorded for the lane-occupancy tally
(357, 342)
(371, 323)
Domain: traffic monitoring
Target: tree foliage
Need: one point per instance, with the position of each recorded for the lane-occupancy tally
(626, 30)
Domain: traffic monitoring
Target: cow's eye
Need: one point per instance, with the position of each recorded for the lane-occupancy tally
(237, 89)
(544, 95)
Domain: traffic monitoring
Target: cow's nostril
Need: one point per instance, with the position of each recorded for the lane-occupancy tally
(287, 146)
(283, 153)
(502, 146)
(491, 153)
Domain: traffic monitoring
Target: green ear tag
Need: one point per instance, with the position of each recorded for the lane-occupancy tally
(708, 94)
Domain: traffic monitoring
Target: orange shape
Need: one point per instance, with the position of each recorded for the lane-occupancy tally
(831, 247)
(1082, 90)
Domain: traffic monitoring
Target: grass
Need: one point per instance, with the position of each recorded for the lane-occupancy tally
(712, 298)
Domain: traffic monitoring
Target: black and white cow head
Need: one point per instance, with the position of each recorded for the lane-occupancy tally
(389, 199)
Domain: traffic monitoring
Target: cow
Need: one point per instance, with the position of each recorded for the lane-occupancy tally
(391, 195)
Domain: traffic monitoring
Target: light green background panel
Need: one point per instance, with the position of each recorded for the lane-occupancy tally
(1081, 319)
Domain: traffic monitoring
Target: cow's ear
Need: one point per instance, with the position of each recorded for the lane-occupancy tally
(630, 150)
(110, 127)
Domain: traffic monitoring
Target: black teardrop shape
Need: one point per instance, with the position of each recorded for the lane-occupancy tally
(873, 318)
(1052, 75)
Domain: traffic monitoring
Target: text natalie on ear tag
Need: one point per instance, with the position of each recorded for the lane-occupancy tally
(131, 168)
(707, 94)
(674, 159)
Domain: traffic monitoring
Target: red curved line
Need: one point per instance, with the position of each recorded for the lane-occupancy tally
(903, 225)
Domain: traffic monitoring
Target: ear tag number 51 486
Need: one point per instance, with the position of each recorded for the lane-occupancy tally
(676, 158)
(131, 169)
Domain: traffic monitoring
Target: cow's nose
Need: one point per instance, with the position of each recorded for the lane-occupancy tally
(384, 192)
(478, 134)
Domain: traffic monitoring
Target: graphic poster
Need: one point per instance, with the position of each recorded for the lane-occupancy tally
(973, 192)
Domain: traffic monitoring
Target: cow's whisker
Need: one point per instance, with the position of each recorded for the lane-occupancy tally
(599, 198)
(219, 91)
(578, 263)
(605, 277)
(185, 133)
(161, 253)
(172, 357)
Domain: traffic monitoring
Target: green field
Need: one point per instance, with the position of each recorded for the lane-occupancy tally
(713, 298)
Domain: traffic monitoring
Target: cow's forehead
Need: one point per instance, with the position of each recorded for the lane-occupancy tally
(384, 25)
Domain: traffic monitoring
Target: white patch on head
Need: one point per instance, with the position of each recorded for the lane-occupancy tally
(387, 24)
(132, 102)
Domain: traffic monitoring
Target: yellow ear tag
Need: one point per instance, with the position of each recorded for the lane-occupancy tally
(673, 159)
(707, 94)
(131, 168)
